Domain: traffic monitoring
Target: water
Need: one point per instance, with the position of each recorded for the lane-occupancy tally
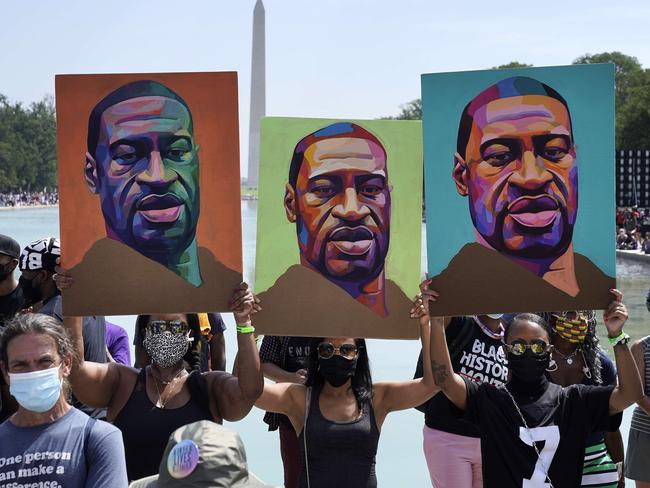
(400, 461)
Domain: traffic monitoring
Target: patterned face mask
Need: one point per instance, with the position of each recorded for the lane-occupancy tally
(166, 348)
(572, 330)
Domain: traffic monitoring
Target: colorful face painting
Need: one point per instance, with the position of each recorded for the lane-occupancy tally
(338, 241)
(150, 140)
(502, 174)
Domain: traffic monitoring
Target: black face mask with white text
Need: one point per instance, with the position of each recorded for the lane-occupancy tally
(337, 370)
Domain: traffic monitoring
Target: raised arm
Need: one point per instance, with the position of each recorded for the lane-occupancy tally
(235, 395)
(451, 384)
(637, 354)
(94, 384)
(400, 395)
(629, 389)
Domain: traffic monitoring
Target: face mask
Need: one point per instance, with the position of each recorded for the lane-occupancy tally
(5, 271)
(31, 293)
(495, 316)
(528, 367)
(37, 391)
(337, 370)
(572, 330)
(165, 348)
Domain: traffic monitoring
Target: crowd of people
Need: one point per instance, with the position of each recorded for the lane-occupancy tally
(633, 229)
(78, 413)
(29, 198)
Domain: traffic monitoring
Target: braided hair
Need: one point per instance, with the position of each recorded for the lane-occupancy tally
(590, 347)
(193, 355)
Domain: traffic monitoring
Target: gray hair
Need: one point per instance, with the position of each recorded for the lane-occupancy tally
(35, 323)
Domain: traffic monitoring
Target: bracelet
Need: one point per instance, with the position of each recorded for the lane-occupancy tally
(245, 328)
(622, 338)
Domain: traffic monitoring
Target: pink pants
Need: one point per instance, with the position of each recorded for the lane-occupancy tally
(454, 461)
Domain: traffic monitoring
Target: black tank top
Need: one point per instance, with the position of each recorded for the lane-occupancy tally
(146, 428)
(340, 454)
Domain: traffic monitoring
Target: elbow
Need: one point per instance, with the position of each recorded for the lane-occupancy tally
(253, 392)
(638, 394)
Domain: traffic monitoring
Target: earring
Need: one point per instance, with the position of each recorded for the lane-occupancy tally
(552, 365)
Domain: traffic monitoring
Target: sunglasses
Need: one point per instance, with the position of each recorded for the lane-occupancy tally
(173, 326)
(518, 347)
(326, 350)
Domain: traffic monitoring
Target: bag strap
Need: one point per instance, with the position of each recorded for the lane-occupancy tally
(304, 430)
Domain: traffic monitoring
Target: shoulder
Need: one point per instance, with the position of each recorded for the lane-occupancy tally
(580, 392)
(101, 429)
(216, 322)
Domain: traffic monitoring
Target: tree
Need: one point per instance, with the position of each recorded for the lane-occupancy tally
(513, 64)
(628, 77)
(27, 145)
(633, 118)
(409, 111)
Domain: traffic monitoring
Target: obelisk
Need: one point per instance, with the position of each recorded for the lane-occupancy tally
(258, 93)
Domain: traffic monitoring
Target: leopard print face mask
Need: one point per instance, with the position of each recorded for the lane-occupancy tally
(165, 348)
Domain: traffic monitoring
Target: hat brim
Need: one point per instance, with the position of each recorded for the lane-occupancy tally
(152, 482)
(254, 482)
(148, 482)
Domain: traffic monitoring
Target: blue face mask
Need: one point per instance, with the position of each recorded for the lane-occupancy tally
(37, 391)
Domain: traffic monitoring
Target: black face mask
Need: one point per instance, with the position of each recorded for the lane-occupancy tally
(6, 270)
(528, 368)
(31, 293)
(337, 370)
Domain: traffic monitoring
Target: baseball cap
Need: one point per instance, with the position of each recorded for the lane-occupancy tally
(41, 254)
(203, 454)
(9, 247)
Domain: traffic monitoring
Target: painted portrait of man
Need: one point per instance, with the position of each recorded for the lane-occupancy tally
(157, 234)
(143, 163)
(337, 198)
(516, 165)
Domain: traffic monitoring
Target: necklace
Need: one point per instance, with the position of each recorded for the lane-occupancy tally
(160, 403)
(568, 358)
(489, 332)
(521, 416)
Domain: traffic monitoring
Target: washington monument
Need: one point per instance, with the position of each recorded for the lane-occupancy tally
(258, 93)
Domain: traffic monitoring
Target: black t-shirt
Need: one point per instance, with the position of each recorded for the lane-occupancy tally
(11, 304)
(558, 421)
(478, 358)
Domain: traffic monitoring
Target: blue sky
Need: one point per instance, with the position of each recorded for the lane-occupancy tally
(333, 58)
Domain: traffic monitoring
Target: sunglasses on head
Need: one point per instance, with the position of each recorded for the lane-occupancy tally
(173, 326)
(518, 347)
(326, 350)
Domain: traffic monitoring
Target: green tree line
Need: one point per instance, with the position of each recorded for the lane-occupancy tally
(632, 98)
(27, 145)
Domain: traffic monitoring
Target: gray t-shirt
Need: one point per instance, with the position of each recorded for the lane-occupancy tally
(53, 455)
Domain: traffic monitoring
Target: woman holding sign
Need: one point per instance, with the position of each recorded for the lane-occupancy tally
(339, 411)
(150, 403)
(533, 432)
